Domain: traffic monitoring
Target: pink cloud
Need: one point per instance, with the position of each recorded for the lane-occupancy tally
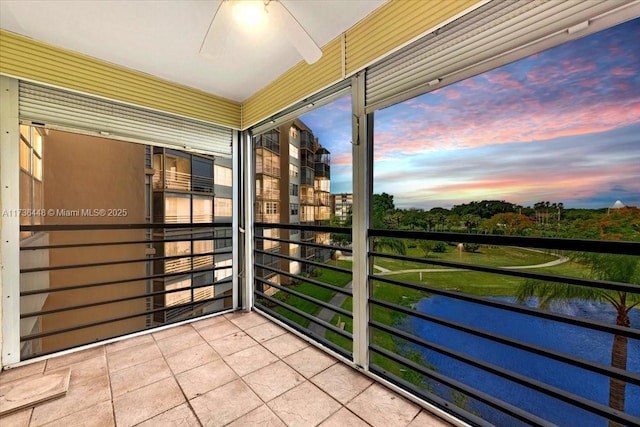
(516, 187)
(505, 81)
(622, 72)
(532, 121)
(453, 94)
(341, 159)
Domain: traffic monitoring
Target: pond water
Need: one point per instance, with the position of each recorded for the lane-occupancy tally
(581, 342)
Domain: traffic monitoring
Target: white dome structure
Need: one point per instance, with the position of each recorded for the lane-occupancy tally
(618, 205)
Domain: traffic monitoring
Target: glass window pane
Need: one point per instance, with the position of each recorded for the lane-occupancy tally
(37, 167)
(178, 172)
(25, 133)
(176, 298)
(202, 209)
(36, 142)
(285, 180)
(177, 209)
(202, 174)
(26, 183)
(223, 207)
(176, 249)
(546, 146)
(37, 201)
(223, 176)
(157, 171)
(25, 156)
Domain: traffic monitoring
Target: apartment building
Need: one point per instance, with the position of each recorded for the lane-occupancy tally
(192, 189)
(292, 187)
(75, 177)
(341, 206)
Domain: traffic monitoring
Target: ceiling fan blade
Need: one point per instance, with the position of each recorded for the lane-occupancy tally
(216, 38)
(296, 34)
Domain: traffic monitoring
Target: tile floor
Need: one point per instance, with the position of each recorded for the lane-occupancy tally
(239, 369)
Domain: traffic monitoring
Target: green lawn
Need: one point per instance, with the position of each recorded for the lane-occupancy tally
(469, 282)
(569, 268)
(490, 256)
(324, 275)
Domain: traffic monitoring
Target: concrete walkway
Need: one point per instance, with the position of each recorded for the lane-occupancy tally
(327, 314)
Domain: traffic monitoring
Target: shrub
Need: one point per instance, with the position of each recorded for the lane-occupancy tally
(440, 247)
(471, 247)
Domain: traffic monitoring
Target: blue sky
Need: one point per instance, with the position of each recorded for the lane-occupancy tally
(562, 125)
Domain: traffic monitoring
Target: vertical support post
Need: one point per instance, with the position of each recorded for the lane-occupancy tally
(362, 178)
(10, 221)
(247, 197)
(235, 222)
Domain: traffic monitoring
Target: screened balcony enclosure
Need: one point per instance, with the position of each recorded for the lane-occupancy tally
(436, 223)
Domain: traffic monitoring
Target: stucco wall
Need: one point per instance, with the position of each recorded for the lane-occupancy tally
(83, 172)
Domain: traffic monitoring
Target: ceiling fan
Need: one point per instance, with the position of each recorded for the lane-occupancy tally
(252, 11)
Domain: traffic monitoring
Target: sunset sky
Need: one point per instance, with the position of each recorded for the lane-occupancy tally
(562, 125)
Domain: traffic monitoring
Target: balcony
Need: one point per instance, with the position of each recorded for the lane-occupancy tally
(235, 369)
(440, 328)
(181, 181)
(264, 360)
(268, 168)
(306, 141)
(461, 322)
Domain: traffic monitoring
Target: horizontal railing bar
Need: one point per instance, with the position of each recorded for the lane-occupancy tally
(118, 319)
(144, 329)
(117, 282)
(589, 324)
(307, 316)
(305, 297)
(97, 227)
(318, 228)
(105, 263)
(549, 390)
(485, 398)
(303, 243)
(333, 346)
(216, 252)
(599, 368)
(305, 261)
(580, 245)
(124, 242)
(507, 271)
(113, 301)
(305, 279)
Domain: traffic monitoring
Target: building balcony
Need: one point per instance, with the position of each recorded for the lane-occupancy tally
(181, 181)
(234, 369)
(306, 140)
(268, 169)
(442, 348)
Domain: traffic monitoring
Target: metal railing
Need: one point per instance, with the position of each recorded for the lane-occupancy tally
(437, 330)
(106, 280)
(174, 180)
(310, 295)
(269, 168)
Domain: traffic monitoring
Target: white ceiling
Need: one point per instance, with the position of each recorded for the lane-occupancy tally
(163, 37)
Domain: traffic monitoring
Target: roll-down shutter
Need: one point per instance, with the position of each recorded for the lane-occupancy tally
(490, 36)
(60, 108)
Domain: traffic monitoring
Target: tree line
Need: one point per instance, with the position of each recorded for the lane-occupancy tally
(546, 219)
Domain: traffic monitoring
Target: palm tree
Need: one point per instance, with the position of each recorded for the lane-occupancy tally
(617, 268)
